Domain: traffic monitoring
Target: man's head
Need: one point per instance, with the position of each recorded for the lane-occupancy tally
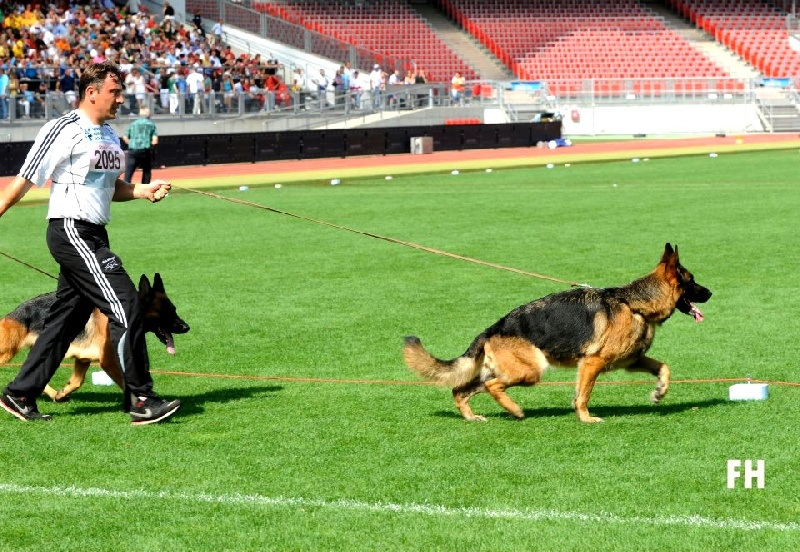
(144, 112)
(100, 91)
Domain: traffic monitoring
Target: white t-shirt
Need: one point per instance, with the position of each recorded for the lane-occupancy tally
(375, 79)
(83, 160)
(194, 82)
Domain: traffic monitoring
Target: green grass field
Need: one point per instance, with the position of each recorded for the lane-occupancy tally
(270, 461)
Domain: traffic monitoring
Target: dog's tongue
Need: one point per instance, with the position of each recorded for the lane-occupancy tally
(170, 344)
(698, 316)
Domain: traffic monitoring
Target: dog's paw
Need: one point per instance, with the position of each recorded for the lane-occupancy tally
(592, 420)
(656, 396)
(476, 418)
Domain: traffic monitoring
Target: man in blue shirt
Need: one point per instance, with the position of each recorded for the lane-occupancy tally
(3, 93)
(66, 84)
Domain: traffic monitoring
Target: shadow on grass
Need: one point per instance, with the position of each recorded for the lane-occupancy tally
(601, 411)
(191, 404)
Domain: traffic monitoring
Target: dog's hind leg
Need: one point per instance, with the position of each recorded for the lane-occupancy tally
(462, 395)
(659, 370)
(497, 389)
(510, 362)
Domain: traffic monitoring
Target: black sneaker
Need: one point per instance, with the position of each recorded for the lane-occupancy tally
(23, 408)
(149, 410)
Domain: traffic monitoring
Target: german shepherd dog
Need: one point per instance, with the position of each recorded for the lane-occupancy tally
(21, 327)
(595, 330)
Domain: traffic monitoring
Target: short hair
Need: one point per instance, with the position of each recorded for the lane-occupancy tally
(95, 75)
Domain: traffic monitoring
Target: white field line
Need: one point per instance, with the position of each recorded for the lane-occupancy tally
(423, 509)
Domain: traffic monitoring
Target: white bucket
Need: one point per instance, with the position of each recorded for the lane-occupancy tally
(749, 392)
(101, 378)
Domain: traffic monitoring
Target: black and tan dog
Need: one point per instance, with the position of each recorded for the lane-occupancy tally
(21, 327)
(594, 329)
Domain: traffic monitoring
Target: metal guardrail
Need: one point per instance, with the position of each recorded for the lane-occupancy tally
(517, 101)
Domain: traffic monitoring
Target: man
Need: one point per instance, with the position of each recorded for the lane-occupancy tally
(322, 84)
(457, 86)
(375, 85)
(66, 84)
(4, 80)
(194, 87)
(80, 153)
(198, 25)
(217, 31)
(141, 138)
(131, 82)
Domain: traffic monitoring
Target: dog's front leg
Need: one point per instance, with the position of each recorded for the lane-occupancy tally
(75, 381)
(663, 373)
(588, 370)
(659, 370)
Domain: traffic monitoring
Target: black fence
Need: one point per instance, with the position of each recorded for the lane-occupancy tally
(214, 149)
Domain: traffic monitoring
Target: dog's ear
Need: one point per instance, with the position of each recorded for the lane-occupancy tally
(670, 256)
(144, 286)
(158, 284)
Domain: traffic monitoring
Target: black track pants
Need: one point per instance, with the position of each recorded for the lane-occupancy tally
(91, 276)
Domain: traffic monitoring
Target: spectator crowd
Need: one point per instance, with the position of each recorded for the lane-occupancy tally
(168, 67)
(45, 47)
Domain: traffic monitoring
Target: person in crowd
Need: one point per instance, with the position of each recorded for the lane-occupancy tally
(217, 32)
(457, 86)
(68, 85)
(357, 87)
(3, 93)
(197, 21)
(376, 85)
(195, 89)
(26, 100)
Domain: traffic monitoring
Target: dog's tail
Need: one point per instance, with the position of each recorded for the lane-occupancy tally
(452, 373)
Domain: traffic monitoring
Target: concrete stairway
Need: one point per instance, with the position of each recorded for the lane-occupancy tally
(701, 40)
(780, 114)
(469, 49)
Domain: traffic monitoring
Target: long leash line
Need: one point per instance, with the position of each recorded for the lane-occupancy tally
(288, 379)
(348, 229)
(20, 261)
(380, 237)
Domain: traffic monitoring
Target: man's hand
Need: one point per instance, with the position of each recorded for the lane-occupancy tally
(154, 191)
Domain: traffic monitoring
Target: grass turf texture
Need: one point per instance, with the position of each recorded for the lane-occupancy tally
(289, 465)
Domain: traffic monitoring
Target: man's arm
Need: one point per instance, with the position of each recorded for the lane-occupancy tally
(14, 192)
(153, 192)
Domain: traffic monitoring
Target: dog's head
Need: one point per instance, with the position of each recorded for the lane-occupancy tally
(689, 292)
(160, 315)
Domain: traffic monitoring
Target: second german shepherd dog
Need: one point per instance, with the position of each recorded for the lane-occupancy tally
(21, 327)
(595, 330)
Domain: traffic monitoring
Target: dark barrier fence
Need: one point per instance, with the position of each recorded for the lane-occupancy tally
(211, 149)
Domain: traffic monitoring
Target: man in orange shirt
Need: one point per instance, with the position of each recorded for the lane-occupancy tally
(457, 85)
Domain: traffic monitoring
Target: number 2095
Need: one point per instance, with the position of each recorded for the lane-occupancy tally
(106, 160)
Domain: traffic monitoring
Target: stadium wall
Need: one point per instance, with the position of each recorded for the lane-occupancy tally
(733, 118)
(212, 149)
